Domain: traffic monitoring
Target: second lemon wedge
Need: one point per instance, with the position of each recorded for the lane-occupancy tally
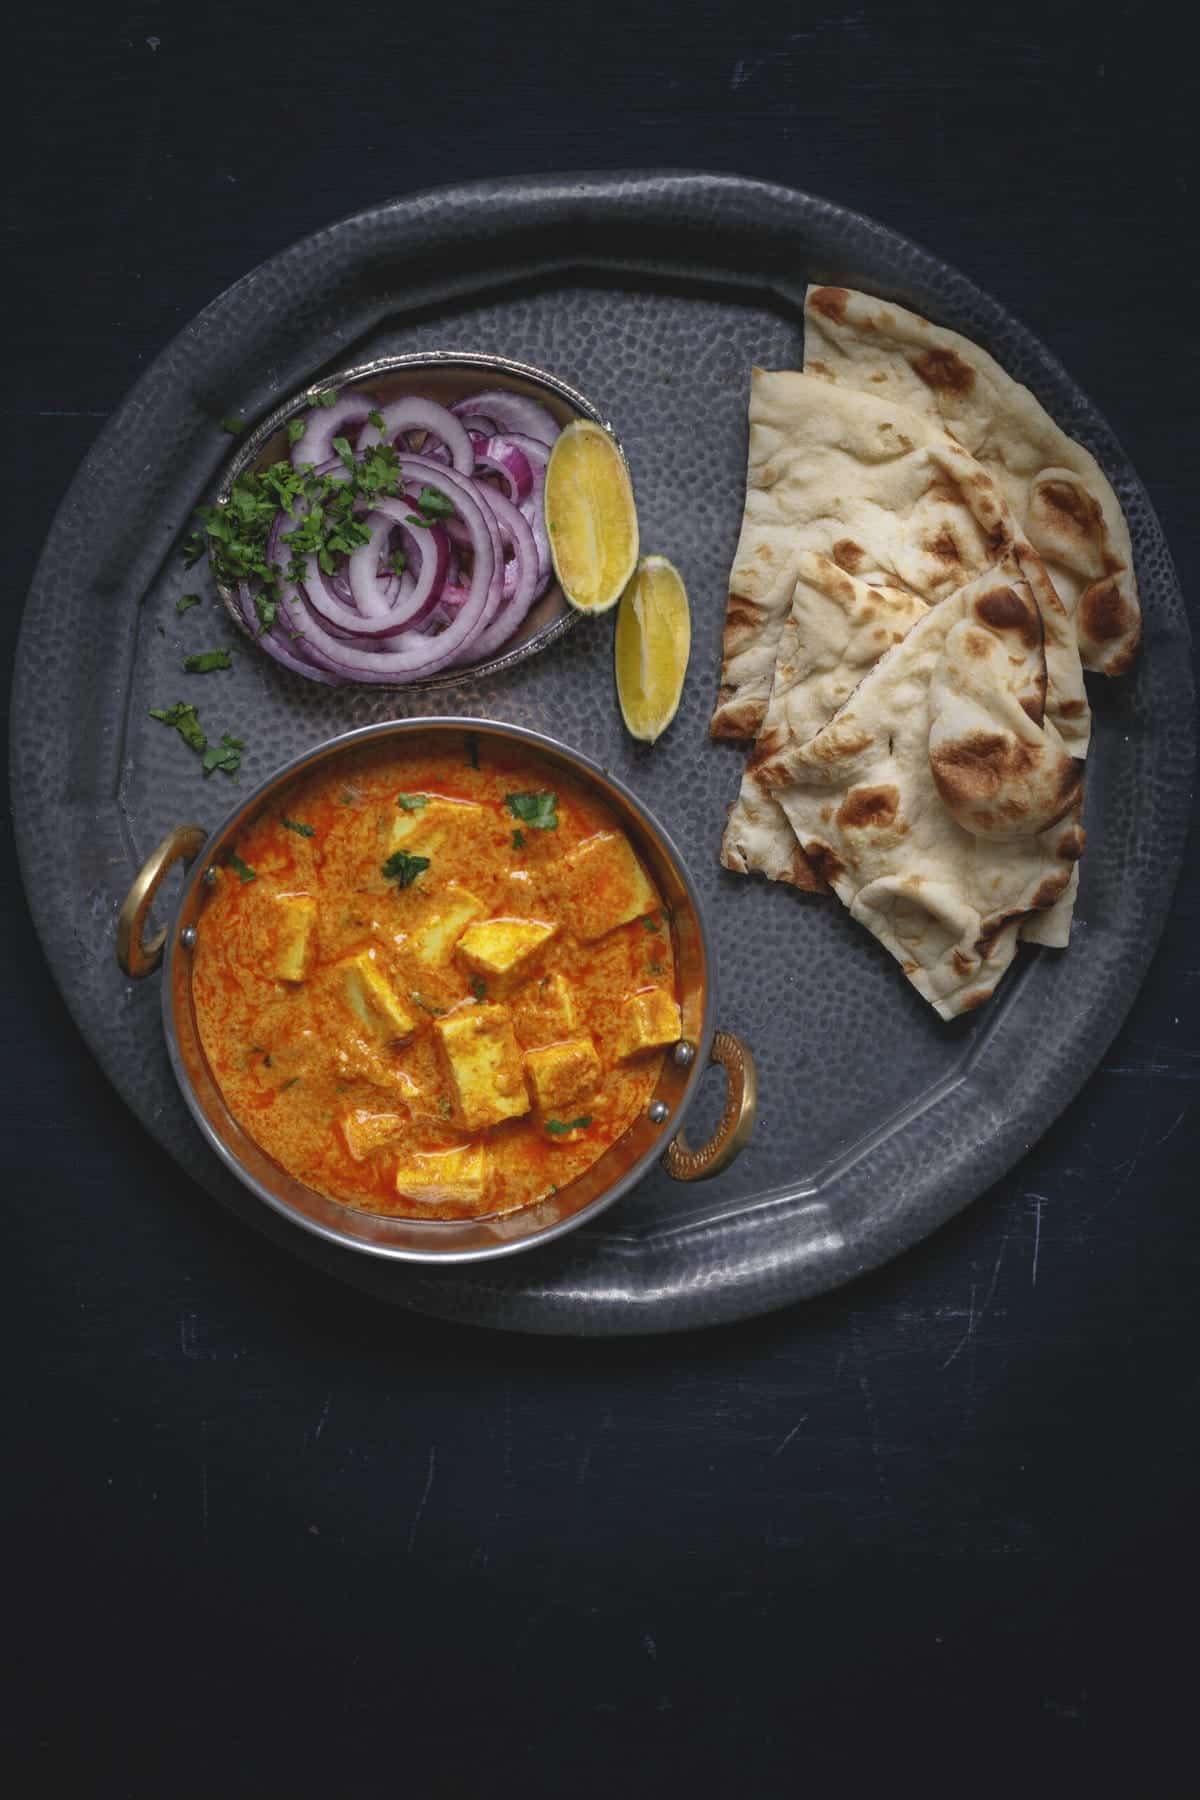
(590, 516)
(653, 642)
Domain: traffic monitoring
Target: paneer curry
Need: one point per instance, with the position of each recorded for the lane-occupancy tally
(433, 984)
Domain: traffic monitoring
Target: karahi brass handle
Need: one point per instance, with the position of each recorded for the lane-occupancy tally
(135, 957)
(737, 1117)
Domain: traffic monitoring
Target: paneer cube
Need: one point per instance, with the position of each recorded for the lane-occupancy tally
(498, 949)
(647, 1020)
(544, 1011)
(444, 923)
(483, 1061)
(437, 1176)
(295, 923)
(373, 1000)
(422, 829)
(563, 1075)
(365, 1131)
(605, 885)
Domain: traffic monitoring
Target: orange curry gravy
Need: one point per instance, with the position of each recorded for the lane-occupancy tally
(462, 1034)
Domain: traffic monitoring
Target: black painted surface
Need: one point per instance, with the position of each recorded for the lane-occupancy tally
(266, 1536)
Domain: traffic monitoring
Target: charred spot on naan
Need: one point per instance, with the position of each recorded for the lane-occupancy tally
(1071, 845)
(976, 998)
(1005, 610)
(944, 545)
(1104, 613)
(983, 764)
(944, 370)
(831, 302)
(1074, 510)
(848, 555)
(824, 862)
(867, 808)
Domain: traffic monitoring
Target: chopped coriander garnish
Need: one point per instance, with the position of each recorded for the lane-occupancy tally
(267, 608)
(655, 968)
(327, 397)
(560, 1127)
(291, 1082)
(341, 447)
(403, 869)
(347, 797)
(227, 756)
(194, 546)
(245, 873)
(434, 504)
(185, 601)
(412, 802)
(398, 562)
(435, 1012)
(538, 810)
(651, 923)
(295, 430)
(518, 839)
(375, 418)
(186, 722)
(472, 743)
(298, 826)
(233, 425)
(479, 988)
(207, 661)
(444, 1106)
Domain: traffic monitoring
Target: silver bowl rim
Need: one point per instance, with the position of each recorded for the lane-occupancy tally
(591, 770)
(250, 446)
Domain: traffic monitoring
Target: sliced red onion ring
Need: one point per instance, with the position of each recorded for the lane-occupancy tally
(280, 645)
(415, 414)
(506, 459)
(511, 412)
(521, 575)
(323, 424)
(380, 600)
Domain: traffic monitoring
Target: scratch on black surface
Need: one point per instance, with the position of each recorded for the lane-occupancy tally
(321, 1421)
(785, 1441)
(1038, 1202)
(412, 1530)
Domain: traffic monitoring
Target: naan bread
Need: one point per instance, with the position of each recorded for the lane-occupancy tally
(1059, 495)
(889, 497)
(836, 629)
(940, 812)
(843, 485)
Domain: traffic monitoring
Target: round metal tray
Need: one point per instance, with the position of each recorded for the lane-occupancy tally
(653, 294)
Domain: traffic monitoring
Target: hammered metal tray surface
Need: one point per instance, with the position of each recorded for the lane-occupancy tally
(653, 294)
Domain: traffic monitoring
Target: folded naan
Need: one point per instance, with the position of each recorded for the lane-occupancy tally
(836, 629)
(858, 515)
(1059, 495)
(938, 808)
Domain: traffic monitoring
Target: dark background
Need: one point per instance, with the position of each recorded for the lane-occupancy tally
(265, 1536)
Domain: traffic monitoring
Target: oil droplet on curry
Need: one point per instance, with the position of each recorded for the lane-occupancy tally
(432, 987)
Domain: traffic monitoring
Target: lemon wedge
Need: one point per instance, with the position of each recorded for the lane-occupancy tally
(653, 641)
(590, 516)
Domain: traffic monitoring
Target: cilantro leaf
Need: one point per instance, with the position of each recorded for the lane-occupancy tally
(479, 988)
(434, 504)
(298, 826)
(246, 873)
(518, 839)
(186, 722)
(403, 869)
(227, 756)
(327, 397)
(194, 547)
(207, 661)
(267, 608)
(538, 810)
(295, 430)
(341, 447)
(233, 425)
(412, 802)
(375, 418)
(399, 562)
(650, 923)
(186, 600)
(417, 999)
(560, 1127)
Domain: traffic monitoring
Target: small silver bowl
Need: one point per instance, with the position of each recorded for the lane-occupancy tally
(446, 376)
